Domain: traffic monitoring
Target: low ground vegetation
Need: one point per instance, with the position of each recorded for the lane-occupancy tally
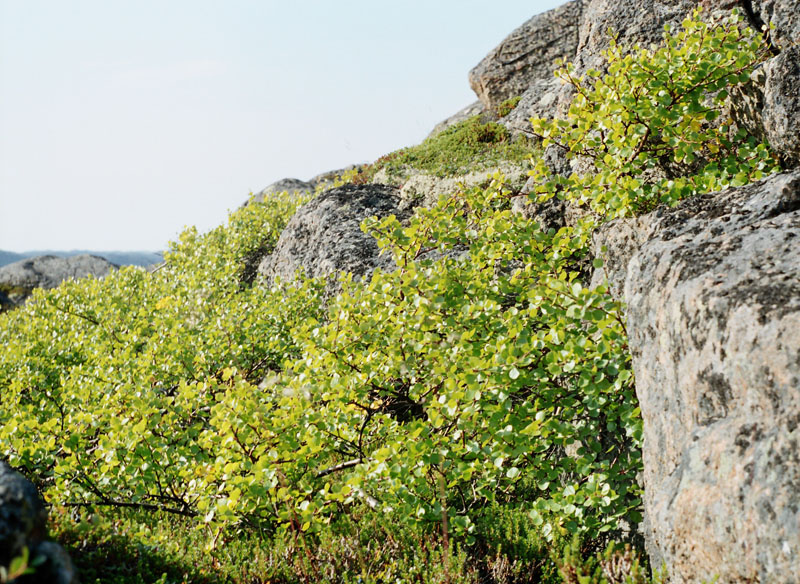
(466, 417)
(474, 144)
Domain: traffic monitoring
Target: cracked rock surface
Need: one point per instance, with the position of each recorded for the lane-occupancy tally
(712, 289)
(527, 54)
(325, 236)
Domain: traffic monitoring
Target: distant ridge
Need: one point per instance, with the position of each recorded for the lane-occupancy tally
(121, 258)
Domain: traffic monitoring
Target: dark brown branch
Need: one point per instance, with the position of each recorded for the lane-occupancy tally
(145, 506)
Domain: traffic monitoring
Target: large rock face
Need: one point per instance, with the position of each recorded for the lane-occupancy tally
(523, 63)
(781, 117)
(23, 520)
(19, 279)
(634, 21)
(713, 295)
(542, 99)
(783, 15)
(325, 236)
(527, 54)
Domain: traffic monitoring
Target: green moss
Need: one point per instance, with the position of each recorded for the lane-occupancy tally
(507, 106)
(462, 148)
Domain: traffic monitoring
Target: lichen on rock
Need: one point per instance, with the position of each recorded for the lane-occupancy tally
(713, 295)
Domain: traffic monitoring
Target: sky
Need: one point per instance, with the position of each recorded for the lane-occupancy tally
(123, 121)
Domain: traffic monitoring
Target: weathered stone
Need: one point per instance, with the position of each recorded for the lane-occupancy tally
(745, 106)
(554, 213)
(634, 21)
(56, 566)
(473, 109)
(781, 114)
(549, 215)
(527, 54)
(19, 279)
(616, 242)
(121, 258)
(783, 16)
(423, 189)
(23, 518)
(23, 524)
(325, 237)
(713, 309)
(540, 100)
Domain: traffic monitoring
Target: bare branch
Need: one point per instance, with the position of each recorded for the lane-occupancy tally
(338, 467)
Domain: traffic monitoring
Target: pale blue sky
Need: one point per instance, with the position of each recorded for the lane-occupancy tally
(121, 121)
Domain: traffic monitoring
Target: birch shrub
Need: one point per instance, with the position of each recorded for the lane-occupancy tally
(656, 127)
(479, 373)
(107, 384)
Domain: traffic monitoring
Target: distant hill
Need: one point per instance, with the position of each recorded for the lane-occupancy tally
(121, 258)
(9, 257)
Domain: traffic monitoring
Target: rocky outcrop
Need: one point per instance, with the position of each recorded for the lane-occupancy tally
(320, 182)
(781, 113)
(327, 180)
(713, 309)
(23, 524)
(121, 258)
(782, 16)
(19, 279)
(325, 237)
(544, 96)
(23, 519)
(527, 54)
(522, 63)
(540, 100)
(633, 21)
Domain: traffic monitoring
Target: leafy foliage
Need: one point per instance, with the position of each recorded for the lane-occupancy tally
(20, 566)
(615, 565)
(452, 380)
(655, 129)
(479, 380)
(107, 383)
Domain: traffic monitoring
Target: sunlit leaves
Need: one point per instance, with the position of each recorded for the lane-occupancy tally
(656, 126)
(476, 362)
(108, 385)
(481, 370)
(455, 380)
